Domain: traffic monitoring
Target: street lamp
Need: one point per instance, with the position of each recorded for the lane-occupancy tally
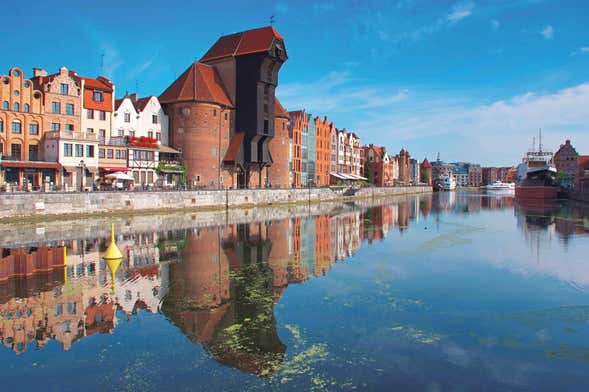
(82, 175)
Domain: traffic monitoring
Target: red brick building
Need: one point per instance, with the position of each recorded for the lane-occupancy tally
(298, 121)
(403, 159)
(565, 160)
(322, 151)
(426, 171)
(582, 175)
(279, 176)
(378, 165)
(221, 110)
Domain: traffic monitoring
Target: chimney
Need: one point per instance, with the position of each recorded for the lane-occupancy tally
(133, 97)
(39, 72)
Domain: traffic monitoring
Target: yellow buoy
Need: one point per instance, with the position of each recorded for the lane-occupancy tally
(113, 255)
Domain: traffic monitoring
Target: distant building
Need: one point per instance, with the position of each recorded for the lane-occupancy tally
(378, 166)
(298, 121)
(404, 172)
(426, 172)
(565, 160)
(279, 176)
(582, 175)
(475, 175)
(414, 171)
(322, 151)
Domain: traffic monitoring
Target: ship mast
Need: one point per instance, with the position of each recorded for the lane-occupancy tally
(540, 141)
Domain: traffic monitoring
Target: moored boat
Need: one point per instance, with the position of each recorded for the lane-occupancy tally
(539, 180)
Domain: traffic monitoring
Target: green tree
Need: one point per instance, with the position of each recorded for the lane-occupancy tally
(368, 171)
(424, 176)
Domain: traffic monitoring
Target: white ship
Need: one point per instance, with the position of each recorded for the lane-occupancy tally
(500, 186)
(447, 183)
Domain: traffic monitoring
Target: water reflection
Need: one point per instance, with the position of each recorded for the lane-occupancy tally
(219, 284)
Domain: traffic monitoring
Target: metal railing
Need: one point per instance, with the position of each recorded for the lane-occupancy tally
(73, 135)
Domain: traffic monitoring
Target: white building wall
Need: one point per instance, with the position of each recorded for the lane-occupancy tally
(120, 126)
(145, 123)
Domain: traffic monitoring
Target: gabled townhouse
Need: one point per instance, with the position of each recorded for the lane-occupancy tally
(21, 133)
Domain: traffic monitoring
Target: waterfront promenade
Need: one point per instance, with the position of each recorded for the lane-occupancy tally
(33, 205)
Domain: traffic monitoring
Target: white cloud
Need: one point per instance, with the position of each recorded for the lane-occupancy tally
(460, 11)
(548, 32)
(496, 133)
(338, 92)
(581, 50)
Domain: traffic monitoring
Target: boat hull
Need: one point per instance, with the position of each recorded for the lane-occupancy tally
(536, 192)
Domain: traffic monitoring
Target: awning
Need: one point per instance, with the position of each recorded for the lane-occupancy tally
(167, 150)
(114, 169)
(31, 164)
(336, 175)
(235, 151)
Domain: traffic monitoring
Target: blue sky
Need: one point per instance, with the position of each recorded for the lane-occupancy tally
(473, 80)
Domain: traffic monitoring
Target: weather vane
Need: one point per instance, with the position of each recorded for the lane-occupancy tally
(272, 20)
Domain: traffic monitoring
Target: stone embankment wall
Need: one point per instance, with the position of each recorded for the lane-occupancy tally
(31, 205)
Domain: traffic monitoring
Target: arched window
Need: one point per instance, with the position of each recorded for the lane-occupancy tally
(16, 106)
(26, 108)
(16, 126)
(5, 105)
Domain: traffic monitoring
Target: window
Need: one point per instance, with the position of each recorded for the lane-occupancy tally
(16, 106)
(90, 131)
(97, 96)
(214, 112)
(102, 134)
(33, 129)
(15, 151)
(16, 126)
(16, 93)
(101, 115)
(90, 151)
(64, 89)
(150, 134)
(27, 84)
(120, 132)
(26, 108)
(55, 126)
(109, 153)
(154, 118)
(33, 152)
(90, 114)
(69, 127)
(118, 154)
(79, 150)
(127, 117)
(101, 153)
(67, 150)
(5, 105)
(55, 107)
(225, 116)
(1, 126)
(69, 108)
(158, 136)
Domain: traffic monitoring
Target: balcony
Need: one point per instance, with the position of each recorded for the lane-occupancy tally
(67, 135)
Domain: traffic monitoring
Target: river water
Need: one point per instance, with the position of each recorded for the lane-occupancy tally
(452, 291)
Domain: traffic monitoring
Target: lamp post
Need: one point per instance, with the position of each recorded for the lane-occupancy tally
(82, 175)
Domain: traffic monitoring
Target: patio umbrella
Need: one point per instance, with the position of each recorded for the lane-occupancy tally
(119, 176)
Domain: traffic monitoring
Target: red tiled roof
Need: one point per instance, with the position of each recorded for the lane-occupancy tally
(246, 42)
(141, 103)
(199, 82)
(279, 110)
(100, 83)
(233, 150)
(118, 103)
(379, 151)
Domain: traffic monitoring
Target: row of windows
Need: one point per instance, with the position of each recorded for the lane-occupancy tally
(127, 118)
(56, 108)
(15, 107)
(143, 155)
(57, 127)
(15, 151)
(112, 154)
(16, 127)
(68, 150)
(90, 114)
